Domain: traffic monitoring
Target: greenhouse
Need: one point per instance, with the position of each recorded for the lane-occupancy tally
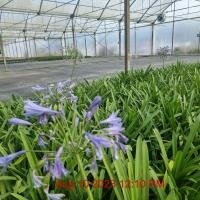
(99, 99)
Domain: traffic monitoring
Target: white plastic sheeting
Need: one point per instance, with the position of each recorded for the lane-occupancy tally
(49, 18)
(43, 19)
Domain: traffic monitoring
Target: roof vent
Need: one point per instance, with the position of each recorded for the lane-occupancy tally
(161, 17)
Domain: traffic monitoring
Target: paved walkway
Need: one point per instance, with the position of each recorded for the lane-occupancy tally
(20, 77)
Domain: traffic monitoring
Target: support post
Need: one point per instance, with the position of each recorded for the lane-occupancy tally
(65, 40)
(13, 50)
(73, 32)
(106, 47)
(172, 48)
(135, 43)
(49, 47)
(26, 46)
(2, 51)
(16, 49)
(9, 50)
(35, 47)
(152, 39)
(120, 40)
(29, 44)
(95, 45)
(20, 50)
(127, 34)
(198, 36)
(85, 46)
(61, 47)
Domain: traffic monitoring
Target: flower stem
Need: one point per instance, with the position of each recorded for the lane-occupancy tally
(90, 196)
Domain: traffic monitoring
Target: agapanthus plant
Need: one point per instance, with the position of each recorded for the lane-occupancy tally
(63, 85)
(32, 109)
(41, 140)
(163, 53)
(98, 142)
(109, 137)
(59, 170)
(37, 180)
(92, 108)
(112, 137)
(17, 121)
(6, 160)
(115, 127)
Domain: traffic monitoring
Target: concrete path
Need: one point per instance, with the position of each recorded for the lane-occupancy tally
(20, 77)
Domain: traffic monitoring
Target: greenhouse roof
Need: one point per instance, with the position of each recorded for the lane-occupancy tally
(53, 18)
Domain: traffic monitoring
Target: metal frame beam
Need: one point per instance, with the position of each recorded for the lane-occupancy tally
(152, 39)
(106, 47)
(167, 7)
(6, 4)
(40, 8)
(48, 24)
(2, 49)
(25, 38)
(95, 45)
(120, 40)
(86, 46)
(173, 26)
(198, 48)
(103, 10)
(73, 14)
(127, 34)
(147, 10)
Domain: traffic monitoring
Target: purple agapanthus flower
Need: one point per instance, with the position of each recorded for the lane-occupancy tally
(112, 119)
(17, 121)
(115, 127)
(93, 107)
(32, 109)
(46, 166)
(6, 160)
(99, 142)
(115, 131)
(51, 196)
(115, 149)
(61, 85)
(121, 146)
(73, 97)
(77, 121)
(41, 141)
(95, 104)
(37, 180)
(59, 170)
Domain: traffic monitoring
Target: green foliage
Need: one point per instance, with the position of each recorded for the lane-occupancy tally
(163, 53)
(166, 99)
(73, 54)
(160, 110)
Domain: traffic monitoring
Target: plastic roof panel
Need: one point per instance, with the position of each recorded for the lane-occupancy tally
(43, 18)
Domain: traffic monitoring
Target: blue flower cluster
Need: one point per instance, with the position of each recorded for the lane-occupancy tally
(110, 137)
